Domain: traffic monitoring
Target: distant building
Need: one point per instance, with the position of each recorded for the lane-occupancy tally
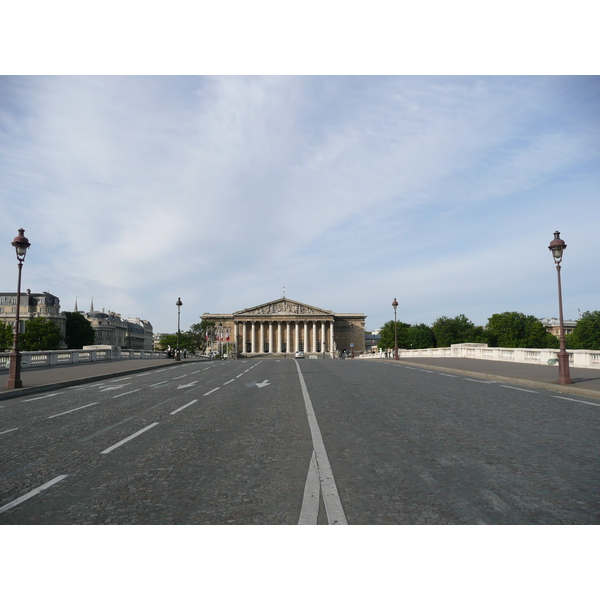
(553, 326)
(33, 306)
(371, 341)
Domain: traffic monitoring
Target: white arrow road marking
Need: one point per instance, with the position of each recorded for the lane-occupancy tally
(113, 387)
(187, 385)
(32, 493)
(265, 382)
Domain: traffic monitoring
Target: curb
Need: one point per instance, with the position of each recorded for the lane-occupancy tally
(553, 387)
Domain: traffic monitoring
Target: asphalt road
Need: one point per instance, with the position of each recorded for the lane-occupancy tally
(299, 442)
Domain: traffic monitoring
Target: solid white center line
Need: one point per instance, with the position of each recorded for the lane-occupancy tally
(72, 410)
(32, 493)
(309, 513)
(127, 439)
(125, 393)
(211, 391)
(184, 406)
(520, 389)
(331, 498)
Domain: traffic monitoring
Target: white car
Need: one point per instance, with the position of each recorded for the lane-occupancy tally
(299, 354)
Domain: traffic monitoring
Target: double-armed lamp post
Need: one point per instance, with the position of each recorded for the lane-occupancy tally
(395, 305)
(21, 243)
(179, 303)
(557, 247)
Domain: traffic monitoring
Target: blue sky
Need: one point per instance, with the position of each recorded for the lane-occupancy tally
(441, 191)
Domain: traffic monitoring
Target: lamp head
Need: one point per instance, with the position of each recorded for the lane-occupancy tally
(557, 247)
(179, 302)
(21, 243)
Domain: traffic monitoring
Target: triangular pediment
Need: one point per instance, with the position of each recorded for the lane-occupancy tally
(283, 306)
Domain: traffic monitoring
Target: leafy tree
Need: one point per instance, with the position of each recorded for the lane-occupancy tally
(420, 336)
(40, 334)
(516, 330)
(458, 330)
(80, 332)
(387, 335)
(199, 331)
(586, 335)
(6, 337)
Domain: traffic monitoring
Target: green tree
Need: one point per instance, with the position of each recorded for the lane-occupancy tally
(586, 335)
(457, 330)
(6, 337)
(40, 334)
(516, 330)
(80, 332)
(420, 336)
(387, 336)
(199, 331)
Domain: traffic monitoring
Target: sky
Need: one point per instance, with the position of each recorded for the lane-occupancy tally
(349, 191)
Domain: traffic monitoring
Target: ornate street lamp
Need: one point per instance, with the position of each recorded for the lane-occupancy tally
(178, 304)
(395, 305)
(557, 247)
(21, 243)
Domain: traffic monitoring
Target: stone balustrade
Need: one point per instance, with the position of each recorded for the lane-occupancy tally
(64, 357)
(587, 359)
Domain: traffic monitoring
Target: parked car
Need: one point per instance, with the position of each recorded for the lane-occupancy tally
(299, 354)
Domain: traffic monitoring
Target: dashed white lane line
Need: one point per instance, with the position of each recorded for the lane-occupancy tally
(32, 493)
(447, 375)
(127, 439)
(72, 410)
(42, 397)
(211, 391)
(574, 400)
(229, 381)
(510, 387)
(152, 385)
(184, 406)
(8, 430)
(125, 393)
(479, 381)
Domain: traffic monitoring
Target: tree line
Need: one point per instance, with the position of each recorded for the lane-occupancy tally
(504, 330)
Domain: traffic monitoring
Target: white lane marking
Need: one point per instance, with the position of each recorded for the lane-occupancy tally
(125, 393)
(152, 385)
(478, 380)
(127, 439)
(32, 493)
(238, 375)
(114, 387)
(520, 389)
(574, 400)
(72, 410)
(8, 430)
(42, 397)
(180, 377)
(144, 374)
(211, 391)
(425, 371)
(121, 379)
(194, 372)
(184, 406)
(331, 498)
(309, 513)
(447, 375)
(207, 368)
(186, 385)
(229, 381)
(413, 368)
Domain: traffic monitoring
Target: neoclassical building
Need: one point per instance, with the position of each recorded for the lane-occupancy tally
(284, 326)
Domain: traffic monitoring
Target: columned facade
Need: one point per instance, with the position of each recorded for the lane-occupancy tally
(285, 326)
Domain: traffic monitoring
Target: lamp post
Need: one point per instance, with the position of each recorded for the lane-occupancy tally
(395, 305)
(557, 247)
(21, 243)
(178, 304)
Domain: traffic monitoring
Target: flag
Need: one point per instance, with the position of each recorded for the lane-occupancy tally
(227, 338)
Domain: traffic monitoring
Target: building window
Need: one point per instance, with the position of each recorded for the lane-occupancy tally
(248, 347)
(266, 348)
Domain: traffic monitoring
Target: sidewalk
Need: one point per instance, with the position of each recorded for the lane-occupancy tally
(586, 382)
(43, 379)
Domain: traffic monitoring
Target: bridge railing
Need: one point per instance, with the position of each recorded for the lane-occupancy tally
(587, 359)
(63, 357)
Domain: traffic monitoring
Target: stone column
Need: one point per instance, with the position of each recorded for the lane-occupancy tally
(297, 340)
(331, 336)
(306, 347)
(270, 336)
(287, 337)
(261, 342)
(323, 344)
(314, 334)
(252, 336)
(278, 336)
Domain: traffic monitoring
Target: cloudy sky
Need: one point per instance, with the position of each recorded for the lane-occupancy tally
(441, 191)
